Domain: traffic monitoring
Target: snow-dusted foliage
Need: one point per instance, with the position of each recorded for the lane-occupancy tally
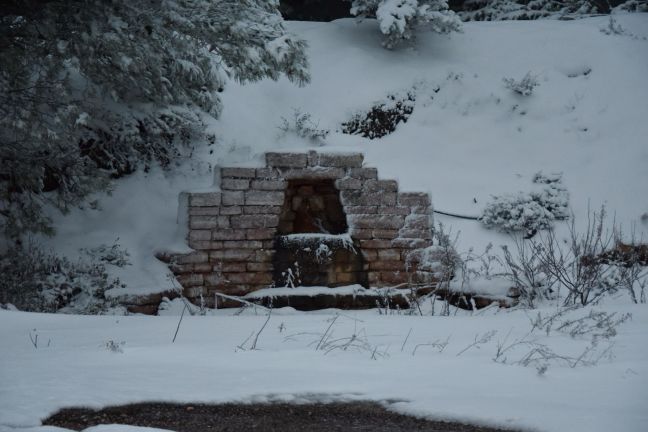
(524, 86)
(94, 89)
(529, 212)
(35, 280)
(398, 19)
(302, 125)
(383, 117)
(493, 10)
(487, 10)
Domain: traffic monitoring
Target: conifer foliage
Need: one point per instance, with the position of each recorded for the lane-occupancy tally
(399, 18)
(93, 89)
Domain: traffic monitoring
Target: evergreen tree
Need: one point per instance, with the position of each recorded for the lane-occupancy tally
(91, 89)
(399, 18)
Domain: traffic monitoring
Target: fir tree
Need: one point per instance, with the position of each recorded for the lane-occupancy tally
(91, 89)
(399, 18)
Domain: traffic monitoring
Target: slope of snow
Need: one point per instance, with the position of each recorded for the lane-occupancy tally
(468, 138)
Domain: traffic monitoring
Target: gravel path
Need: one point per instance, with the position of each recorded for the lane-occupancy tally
(355, 416)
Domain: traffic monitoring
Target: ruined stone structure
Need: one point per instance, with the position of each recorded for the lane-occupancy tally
(305, 218)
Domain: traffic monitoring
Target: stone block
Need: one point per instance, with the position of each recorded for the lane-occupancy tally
(243, 244)
(270, 210)
(270, 198)
(231, 255)
(199, 235)
(204, 211)
(287, 160)
(244, 173)
(394, 210)
(232, 198)
(208, 222)
(200, 244)
(394, 278)
(233, 267)
(260, 233)
(268, 185)
(190, 280)
(389, 254)
(361, 234)
(348, 183)
(267, 173)
(360, 198)
(386, 265)
(340, 160)
(385, 234)
(375, 244)
(260, 267)
(235, 184)
(214, 279)
(205, 199)
(229, 234)
(231, 210)
(421, 210)
(413, 199)
(380, 186)
(417, 222)
(373, 278)
(250, 278)
(369, 254)
(411, 243)
(364, 173)
(376, 221)
(316, 173)
(255, 221)
(265, 255)
(192, 258)
(415, 233)
(361, 210)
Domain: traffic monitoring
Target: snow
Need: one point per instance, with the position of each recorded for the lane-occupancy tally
(73, 367)
(468, 138)
(312, 291)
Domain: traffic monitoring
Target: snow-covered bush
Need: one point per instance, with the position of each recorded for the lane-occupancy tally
(302, 125)
(91, 89)
(524, 86)
(526, 273)
(398, 19)
(34, 280)
(383, 117)
(529, 212)
(494, 10)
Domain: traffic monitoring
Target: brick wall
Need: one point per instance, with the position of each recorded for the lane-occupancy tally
(233, 231)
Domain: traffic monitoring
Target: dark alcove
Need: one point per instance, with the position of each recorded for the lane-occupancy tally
(313, 247)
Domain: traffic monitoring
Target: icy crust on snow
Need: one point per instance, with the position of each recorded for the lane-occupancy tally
(312, 291)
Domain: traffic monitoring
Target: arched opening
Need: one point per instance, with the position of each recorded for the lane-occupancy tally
(313, 247)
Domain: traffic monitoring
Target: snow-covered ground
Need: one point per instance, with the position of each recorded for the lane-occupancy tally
(468, 138)
(72, 365)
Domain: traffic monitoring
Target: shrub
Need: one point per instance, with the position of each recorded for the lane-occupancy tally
(382, 118)
(529, 212)
(524, 86)
(34, 280)
(302, 125)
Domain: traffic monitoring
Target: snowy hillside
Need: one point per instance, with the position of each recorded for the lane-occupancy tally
(469, 136)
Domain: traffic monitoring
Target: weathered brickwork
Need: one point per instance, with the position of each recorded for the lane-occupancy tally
(234, 231)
